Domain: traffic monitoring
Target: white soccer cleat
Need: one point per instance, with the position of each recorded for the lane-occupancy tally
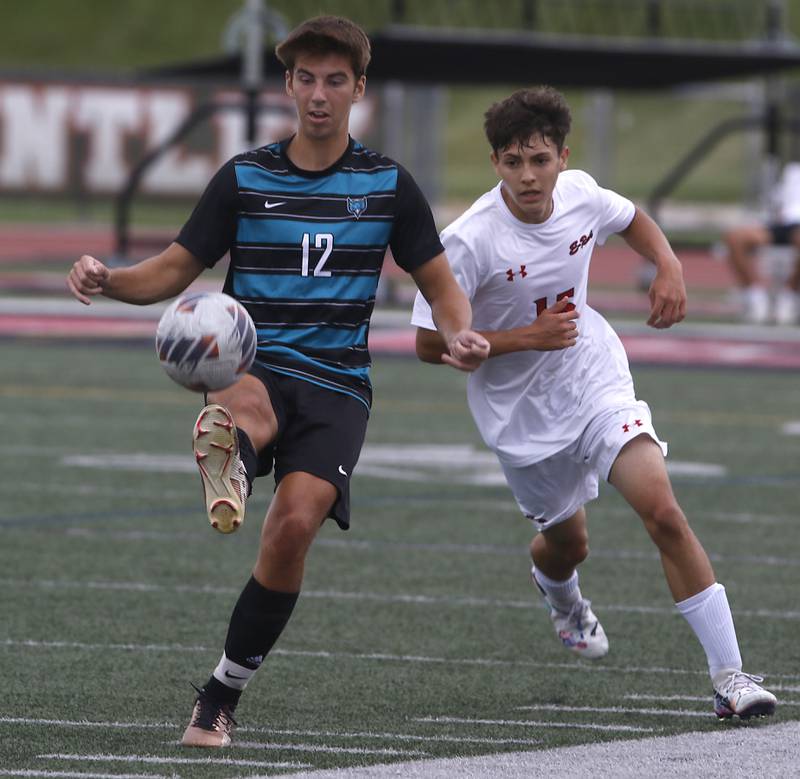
(787, 307)
(740, 694)
(756, 305)
(580, 631)
(216, 449)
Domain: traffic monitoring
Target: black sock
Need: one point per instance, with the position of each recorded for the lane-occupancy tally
(221, 692)
(248, 456)
(258, 619)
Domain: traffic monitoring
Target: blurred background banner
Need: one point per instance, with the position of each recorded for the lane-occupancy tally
(83, 138)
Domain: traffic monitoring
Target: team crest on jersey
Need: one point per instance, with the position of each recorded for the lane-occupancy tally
(357, 205)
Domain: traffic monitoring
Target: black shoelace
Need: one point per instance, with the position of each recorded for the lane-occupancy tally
(212, 715)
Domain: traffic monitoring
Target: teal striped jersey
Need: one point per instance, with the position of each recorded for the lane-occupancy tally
(306, 251)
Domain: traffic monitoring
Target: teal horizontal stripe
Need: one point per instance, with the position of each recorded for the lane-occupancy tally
(316, 380)
(352, 184)
(352, 232)
(293, 354)
(316, 337)
(342, 288)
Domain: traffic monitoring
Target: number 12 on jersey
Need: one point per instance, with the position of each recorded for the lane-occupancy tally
(322, 241)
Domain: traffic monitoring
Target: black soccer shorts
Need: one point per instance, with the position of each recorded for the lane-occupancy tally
(320, 431)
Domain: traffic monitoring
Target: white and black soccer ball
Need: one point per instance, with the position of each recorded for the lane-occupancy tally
(206, 341)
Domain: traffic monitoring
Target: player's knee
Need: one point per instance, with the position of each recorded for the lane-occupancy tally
(571, 551)
(289, 535)
(577, 551)
(251, 411)
(665, 522)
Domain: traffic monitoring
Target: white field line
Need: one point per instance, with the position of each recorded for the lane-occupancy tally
(77, 774)
(481, 549)
(407, 598)
(448, 548)
(268, 731)
(635, 696)
(737, 517)
(325, 748)
(426, 463)
(488, 549)
(171, 760)
(576, 665)
(392, 736)
(740, 518)
(617, 710)
(535, 724)
(90, 489)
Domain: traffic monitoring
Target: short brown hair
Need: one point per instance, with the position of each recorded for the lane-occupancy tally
(327, 35)
(536, 111)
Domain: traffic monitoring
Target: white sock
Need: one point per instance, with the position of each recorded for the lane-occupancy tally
(709, 615)
(232, 674)
(560, 595)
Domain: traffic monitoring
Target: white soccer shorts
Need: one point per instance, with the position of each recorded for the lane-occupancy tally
(553, 489)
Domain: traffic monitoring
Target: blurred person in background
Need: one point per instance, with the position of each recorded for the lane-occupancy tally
(744, 244)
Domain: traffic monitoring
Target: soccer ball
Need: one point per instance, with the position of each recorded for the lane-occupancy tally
(206, 341)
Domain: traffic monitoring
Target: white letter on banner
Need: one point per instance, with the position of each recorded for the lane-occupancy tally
(176, 171)
(107, 115)
(231, 131)
(33, 125)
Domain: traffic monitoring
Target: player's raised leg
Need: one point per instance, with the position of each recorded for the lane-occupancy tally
(297, 511)
(556, 552)
(640, 474)
(238, 422)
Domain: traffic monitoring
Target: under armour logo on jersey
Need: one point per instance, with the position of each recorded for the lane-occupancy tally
(356, 206)
(626, 428)
(522, 273)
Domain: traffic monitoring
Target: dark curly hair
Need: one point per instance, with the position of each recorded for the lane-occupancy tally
(540, 111)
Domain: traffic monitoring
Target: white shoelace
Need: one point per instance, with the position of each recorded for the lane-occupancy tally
(239, 478)
(739, 680)
(578, 612)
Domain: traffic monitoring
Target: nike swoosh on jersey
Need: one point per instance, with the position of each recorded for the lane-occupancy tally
(267, 204)
(342, 471)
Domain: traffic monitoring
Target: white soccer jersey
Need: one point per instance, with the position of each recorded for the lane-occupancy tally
(529, 405)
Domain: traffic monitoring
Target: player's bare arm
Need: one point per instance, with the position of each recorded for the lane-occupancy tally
(461, 347)
(157, 278)
(555, 328)
(668, 291)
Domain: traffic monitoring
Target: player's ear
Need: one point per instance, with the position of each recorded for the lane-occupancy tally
(289, 87)
(361, 86)
(563, 157)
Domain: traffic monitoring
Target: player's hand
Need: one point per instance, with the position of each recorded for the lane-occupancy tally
(467, 350)
(555, 328)
(87, 277)
(667, 296)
